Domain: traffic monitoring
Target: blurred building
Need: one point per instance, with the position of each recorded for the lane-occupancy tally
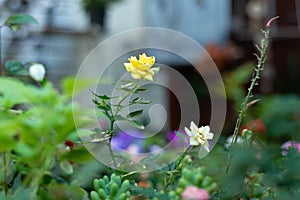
(227, 29)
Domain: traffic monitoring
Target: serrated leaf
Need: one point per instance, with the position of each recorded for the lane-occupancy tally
(14, 22)
(137, 124)
(134, 114)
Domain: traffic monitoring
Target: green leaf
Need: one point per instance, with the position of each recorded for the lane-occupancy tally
(144, 102)
(60, 191)
(140, 90)
(13, 91)
(103, 97)
(72, 86)
(15, 68)
(126, 89)
(14, 22)
(77, 156)
(135, 100)
(137, 124)
(118, 117)
(134, 113)
(180, 135)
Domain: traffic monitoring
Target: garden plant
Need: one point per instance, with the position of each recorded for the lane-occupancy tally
(43, 156)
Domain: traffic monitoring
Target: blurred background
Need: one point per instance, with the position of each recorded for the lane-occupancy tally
(228, 30)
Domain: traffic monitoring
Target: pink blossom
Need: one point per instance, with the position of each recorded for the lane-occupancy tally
(194, 193)
(285, 146)
(270, 21)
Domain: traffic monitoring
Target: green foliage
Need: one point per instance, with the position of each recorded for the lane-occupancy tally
(113, 188)
(260, 171)
(280, 115)
(112, 111)
(17, 20)
(61, 191)
(15, 68)
(35, 122)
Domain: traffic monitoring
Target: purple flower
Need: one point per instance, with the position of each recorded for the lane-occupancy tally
(194, 193)
(124, 139)
(289, 144)
(176, 140)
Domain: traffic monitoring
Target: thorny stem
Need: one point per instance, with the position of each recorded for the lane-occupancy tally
(112, 120)
(254, 81)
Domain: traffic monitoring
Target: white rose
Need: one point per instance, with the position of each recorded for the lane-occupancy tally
(37, 72)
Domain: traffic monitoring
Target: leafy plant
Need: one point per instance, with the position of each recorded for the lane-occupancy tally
(36, 122)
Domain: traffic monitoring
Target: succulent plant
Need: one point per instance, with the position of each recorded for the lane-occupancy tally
(113, 188)
(196, 177)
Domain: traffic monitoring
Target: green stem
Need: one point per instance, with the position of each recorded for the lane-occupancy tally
(261, 59)
(5, 161)
(119, 105)
(171, 180)
(1, 67)
(33, 179)
(111, 153)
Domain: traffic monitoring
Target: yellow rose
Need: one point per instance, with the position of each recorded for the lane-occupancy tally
(141, 68)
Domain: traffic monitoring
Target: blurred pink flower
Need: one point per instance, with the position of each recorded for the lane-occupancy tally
(285, 146)
(194, 193)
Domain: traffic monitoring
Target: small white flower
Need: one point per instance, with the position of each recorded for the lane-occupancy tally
(199, 136)
(37, 72)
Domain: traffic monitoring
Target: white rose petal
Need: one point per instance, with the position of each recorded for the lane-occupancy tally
(199, 136)
(37, 72)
